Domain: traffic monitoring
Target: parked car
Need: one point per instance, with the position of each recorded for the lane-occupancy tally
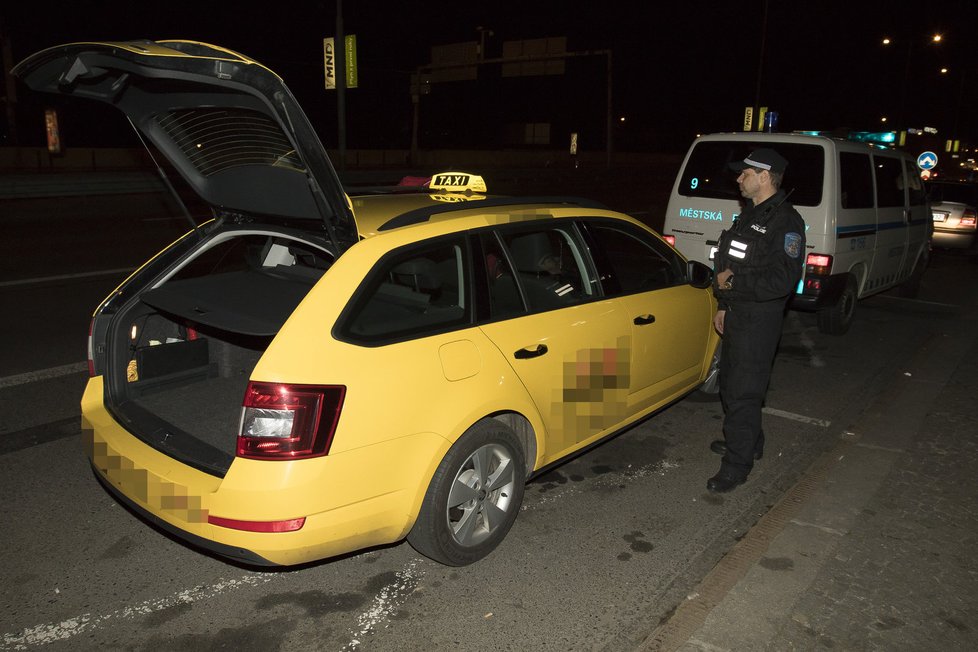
(310, 373)
(954, 206)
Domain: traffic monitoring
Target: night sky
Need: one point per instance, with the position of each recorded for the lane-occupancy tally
(680, 68)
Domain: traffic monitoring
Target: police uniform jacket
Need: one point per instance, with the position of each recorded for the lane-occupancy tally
(765, 249)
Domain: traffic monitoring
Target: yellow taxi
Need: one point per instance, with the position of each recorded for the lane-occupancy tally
(312, 372)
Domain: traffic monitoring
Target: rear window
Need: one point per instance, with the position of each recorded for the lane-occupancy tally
(956, 192)
(707, 173)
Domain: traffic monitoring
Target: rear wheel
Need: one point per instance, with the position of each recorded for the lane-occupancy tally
(474, 496)
(836, 319)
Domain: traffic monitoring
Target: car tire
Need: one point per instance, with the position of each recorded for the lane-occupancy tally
(473, 498)
(836, 319)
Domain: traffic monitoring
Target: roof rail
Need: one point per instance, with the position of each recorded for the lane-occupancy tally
(423, 214)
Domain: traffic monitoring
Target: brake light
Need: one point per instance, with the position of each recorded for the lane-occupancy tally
(671, 239)
(818, 264)
(967, 219)
(288, 422)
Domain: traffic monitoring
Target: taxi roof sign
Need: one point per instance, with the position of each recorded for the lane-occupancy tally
(457, 182)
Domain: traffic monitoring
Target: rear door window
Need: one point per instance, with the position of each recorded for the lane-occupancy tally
(548, 266)
(707, 172)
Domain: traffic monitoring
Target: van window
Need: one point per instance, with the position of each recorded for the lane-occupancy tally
(889, 182)
(707, 173)
(915, 184)
(856, 173)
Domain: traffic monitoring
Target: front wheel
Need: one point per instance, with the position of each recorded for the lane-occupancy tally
(474, 496)
(836, 319)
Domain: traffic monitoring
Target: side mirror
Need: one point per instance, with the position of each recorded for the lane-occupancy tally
(699, 275)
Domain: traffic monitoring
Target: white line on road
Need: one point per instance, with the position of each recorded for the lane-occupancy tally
(796, 417)
(53, 632)
(66, 277)
(387, 601)
(42, 374)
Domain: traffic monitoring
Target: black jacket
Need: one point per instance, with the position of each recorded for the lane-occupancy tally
(765, 249)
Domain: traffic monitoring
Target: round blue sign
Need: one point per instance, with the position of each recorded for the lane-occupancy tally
(927, 161)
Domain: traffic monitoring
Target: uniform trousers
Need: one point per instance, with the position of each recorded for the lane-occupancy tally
(751, 332)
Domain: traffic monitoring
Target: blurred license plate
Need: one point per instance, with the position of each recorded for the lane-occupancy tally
(939, 217)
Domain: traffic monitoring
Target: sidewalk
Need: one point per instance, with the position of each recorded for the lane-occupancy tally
(875, 548)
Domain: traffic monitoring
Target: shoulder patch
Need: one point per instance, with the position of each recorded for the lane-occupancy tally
(792, 244)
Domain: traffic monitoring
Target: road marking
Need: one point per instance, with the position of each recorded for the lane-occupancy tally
(53, 632)
(387, 601)
(43, 374)
(796, 417)
(66, 277)
(828, 530)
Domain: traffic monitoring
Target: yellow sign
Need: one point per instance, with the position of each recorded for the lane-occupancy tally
(54, 134)
(350, 60)
(748, 118)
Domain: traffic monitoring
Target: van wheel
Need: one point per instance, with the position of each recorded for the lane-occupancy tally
(474, 496)
(837, 319)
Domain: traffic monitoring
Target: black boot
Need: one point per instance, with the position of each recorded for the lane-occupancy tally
(725, 480)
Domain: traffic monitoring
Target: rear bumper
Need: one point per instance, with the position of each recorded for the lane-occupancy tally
(352, 500)
(827, 295)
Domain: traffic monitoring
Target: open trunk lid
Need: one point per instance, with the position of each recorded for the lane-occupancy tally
(228, 124)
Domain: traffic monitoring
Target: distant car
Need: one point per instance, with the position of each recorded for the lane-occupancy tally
(954, 206)
(310, 373)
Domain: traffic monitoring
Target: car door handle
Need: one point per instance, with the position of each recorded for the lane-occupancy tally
(531, 352)
(642, 320)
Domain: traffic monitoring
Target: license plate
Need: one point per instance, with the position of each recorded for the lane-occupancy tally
(939, 217)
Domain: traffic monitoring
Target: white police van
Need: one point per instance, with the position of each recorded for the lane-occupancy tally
(868, 224)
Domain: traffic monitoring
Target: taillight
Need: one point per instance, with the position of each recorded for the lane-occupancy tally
(671, 239)
(967, 219)
(288, 422)
(818, 265)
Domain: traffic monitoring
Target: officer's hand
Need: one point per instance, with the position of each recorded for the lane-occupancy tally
(718, 320)
(723, 279)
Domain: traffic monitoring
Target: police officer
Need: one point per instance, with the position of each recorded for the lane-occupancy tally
(757, 267)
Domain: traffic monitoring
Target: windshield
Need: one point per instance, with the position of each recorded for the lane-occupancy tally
(707, 173)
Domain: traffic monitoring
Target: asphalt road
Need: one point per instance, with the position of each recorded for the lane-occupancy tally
(605, 547)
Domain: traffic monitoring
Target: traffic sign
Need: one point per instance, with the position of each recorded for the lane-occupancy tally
(927, 160)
